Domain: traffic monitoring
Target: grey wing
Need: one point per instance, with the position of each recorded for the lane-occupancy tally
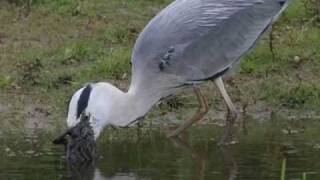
(196, 39)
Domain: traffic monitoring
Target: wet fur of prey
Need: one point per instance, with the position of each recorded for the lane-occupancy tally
(79, 142)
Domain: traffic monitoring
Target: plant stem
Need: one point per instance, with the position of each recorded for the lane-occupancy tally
(283, 169)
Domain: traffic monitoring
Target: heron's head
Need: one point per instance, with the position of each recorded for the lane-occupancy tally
(79, 141)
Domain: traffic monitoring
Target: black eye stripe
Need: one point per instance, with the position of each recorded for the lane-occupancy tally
(83, 100)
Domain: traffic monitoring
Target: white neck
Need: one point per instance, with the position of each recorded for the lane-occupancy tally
(110, 106)
(131, 106)
(140, 98)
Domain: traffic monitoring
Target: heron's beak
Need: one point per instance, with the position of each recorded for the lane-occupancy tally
(79, 142)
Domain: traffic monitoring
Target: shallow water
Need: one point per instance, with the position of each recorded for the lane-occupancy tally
(147, 154)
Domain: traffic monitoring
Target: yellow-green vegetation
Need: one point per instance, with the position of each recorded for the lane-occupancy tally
(289, 75)
(48, 49)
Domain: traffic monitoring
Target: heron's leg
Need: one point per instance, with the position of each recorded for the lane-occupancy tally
(232, 111)
(201, 111)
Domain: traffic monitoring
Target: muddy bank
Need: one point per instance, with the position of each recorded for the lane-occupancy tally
(30, 111)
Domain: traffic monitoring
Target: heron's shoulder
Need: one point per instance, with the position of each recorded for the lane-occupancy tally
(184, 21)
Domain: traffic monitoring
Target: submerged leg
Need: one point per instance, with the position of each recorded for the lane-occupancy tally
(232, 112)
(201, 111)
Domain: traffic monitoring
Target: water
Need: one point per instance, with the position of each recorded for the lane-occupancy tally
(147, 154)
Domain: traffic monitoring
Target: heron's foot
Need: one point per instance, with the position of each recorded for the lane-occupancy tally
(244, 127)
(240, 118)
(227, 138)
(233, 116)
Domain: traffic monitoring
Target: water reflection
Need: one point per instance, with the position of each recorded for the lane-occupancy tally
(201, 159)
(83, 171)
(150, 155)
(89, 171)
(230, 162)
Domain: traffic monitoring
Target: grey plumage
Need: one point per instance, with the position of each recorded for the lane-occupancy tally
(188, 42)
(193, 40)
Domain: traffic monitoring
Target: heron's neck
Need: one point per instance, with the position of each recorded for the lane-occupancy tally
(131, 105)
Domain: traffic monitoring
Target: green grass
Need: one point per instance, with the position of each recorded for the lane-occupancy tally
(51, 48)
(290, 79)
(5, 81)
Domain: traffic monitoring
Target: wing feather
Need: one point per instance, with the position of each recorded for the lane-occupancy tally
(195, 39)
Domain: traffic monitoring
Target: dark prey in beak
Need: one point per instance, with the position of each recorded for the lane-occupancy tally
(79, 142)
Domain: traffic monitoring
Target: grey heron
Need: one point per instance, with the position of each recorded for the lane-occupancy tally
(187, 43)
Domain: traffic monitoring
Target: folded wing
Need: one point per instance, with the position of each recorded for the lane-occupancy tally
(193, 40)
